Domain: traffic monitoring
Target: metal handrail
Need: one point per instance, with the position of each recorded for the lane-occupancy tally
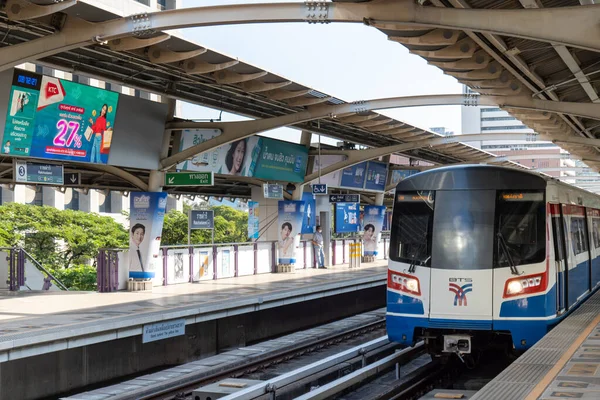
(41, 267)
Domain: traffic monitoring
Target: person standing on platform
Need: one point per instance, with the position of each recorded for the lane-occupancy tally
(318, 247)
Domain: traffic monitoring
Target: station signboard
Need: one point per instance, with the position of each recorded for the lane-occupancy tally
(44, 174)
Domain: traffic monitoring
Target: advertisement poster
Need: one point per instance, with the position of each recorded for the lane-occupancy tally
(289, 222)
(147, 215)
(401, 174)
(58, 119)
(387, 221)
(373, 225)
(308, 221)
(225, 263)
(322, 162)
(354, 176)
(376, 176)
(253, 219)
(347, 217)
(259, 157)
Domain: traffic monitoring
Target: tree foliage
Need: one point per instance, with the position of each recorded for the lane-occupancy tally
(58, 238)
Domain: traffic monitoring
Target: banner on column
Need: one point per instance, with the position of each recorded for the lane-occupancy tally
(373, 224)
(308, 221)
(347, 217)
(253, 218)
(289, 221)
(146, 218)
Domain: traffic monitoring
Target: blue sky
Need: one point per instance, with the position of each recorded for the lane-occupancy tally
(348, 61)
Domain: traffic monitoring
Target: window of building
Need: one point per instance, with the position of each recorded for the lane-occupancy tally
(144, 2)
(106, 207)
(498, 119)
(490, 109)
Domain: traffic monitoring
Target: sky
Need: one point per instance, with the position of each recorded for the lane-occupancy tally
(348, 61)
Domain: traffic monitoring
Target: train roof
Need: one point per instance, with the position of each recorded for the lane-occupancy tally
(473, 177)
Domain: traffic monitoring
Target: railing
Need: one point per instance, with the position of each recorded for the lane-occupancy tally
(24, 271)
(184, 264)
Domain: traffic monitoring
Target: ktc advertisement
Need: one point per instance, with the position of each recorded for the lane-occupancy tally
(376, 176)
(58, 119)
(373, 225)
(289, 221)
(253, 218)
(147, 215)
(354, 176)
(310, 206)
(346, 217)
(256, 156)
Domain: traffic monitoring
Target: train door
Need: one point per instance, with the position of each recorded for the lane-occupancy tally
(461, 265)
(578, 280)
(558, 238)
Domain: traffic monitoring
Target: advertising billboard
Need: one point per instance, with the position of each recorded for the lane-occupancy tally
(258, 157)
(354, 176)
(401, 174)
(347, 217)
(58, 119)
(253, 219)
(373, 225)
(310, 207)
(147, 214)
(289, 221)
(376, 176)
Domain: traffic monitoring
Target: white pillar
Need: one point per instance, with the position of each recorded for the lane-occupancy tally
(324, 212)
(53, 198)
(267, 211)
(156, 181)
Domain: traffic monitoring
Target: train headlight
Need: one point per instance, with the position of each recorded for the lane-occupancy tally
(404, 283)
(525, 285)
(514, 287)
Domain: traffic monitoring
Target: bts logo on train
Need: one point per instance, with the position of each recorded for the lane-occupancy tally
(460, 292)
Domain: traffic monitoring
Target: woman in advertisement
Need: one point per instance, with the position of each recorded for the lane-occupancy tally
(286, 243)
(234, 160)
(136, 261)
(370, 240)
(98, 129)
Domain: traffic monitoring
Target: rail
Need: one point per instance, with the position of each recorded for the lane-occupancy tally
(270, 386)
(18, 270)
(49, 276)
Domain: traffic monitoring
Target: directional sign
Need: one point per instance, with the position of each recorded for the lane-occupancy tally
(344, 198)
(273, 191)
(189, 179)
(202, 219)
(45, 174)
(72, 178)
(319, 188)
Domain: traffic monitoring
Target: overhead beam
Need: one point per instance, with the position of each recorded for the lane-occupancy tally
(241, 129)
(118, 172)
(20, 10)
(545, 24)
(357, 156)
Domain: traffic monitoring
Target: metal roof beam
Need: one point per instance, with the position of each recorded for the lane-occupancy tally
(545, 24)
(241, 129)
(20, 10)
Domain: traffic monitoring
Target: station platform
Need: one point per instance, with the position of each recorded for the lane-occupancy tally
(77, 329)
(564, 364)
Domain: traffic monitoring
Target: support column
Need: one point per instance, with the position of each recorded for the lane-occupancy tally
(267, 214)
(53, 198)
(156, 181)
(324, 212)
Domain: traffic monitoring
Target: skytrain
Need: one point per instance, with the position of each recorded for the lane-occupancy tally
(486, 256)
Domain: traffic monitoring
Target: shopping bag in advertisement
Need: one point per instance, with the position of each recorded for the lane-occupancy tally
(88, 133)
(106, 141)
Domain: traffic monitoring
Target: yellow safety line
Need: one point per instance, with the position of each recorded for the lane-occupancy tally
(549, 377)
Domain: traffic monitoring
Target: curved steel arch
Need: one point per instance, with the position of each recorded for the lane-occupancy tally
(545, 24)
(237, 130)
(127, 176)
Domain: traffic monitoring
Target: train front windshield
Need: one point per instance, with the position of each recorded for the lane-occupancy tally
(468, 229)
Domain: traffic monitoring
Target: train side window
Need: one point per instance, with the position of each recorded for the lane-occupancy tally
(578, 235)
(558, 239)
(595, 233)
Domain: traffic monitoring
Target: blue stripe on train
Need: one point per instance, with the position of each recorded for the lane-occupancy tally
(398, 303)
(579, 281)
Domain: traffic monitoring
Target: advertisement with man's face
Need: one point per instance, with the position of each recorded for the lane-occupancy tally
(373, 225)
(147, 215)
(289, 221)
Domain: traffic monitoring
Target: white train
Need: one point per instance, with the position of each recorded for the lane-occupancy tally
(485, 255)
